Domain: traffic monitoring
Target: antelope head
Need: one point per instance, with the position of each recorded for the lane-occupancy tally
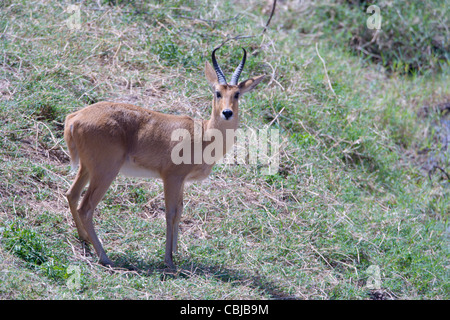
(226, 95)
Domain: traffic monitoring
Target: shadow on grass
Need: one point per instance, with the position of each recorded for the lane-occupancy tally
(191, 269)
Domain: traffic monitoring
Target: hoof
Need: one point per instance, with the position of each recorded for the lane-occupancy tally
(106, 262)
(169, 273)
(170, 266)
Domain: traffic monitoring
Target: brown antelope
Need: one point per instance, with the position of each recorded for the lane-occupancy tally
(107, 138)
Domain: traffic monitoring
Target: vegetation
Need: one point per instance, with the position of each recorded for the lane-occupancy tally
(358, 209)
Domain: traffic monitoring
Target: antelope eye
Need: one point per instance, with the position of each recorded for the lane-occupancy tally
(218, 95)
(236, 96)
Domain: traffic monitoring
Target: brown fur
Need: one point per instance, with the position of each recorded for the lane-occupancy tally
(105, 137)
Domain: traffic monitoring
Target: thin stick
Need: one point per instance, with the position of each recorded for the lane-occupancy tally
(271, 15)
(233, 38)
(276, 117)
(250, 36)
(326, 72)
(209, 20)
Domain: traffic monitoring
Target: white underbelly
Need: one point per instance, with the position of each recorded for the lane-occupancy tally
(130, 169)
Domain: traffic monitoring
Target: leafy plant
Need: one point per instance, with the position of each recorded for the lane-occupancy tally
(32, 249)
(25, 244)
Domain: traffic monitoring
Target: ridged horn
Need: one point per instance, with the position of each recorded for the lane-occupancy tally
(219, 72)
(237, 72)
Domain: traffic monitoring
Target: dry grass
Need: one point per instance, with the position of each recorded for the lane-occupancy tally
(345, 196)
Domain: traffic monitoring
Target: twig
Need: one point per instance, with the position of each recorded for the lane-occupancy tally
(315, 250)
(374, 38)
(276, 117)
(443, 171)
(233, 38)
(210, 20)
(56, 141)
(430, 172)
(4, 31)
(271, 15)
(325, 68)
(249, 36)
(272, 78)
(162, 25)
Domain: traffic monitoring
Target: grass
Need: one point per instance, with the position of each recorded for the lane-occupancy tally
(358, 184)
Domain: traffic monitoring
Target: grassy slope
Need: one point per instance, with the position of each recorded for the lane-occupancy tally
(349, 193)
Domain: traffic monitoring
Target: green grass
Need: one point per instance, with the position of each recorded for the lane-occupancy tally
(357, 184)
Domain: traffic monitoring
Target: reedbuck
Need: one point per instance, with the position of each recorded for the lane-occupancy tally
(107, 138)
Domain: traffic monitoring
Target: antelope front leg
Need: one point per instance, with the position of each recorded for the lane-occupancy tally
(173, 194)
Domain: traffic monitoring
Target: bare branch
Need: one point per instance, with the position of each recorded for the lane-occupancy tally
(271, 15)
(233, 38)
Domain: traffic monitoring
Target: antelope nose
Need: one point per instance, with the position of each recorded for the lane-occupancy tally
(227, 113)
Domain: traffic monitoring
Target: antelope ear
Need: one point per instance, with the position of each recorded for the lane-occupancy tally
(250, 84)
(211, 75)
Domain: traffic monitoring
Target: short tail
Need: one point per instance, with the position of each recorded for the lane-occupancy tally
(73, 151)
